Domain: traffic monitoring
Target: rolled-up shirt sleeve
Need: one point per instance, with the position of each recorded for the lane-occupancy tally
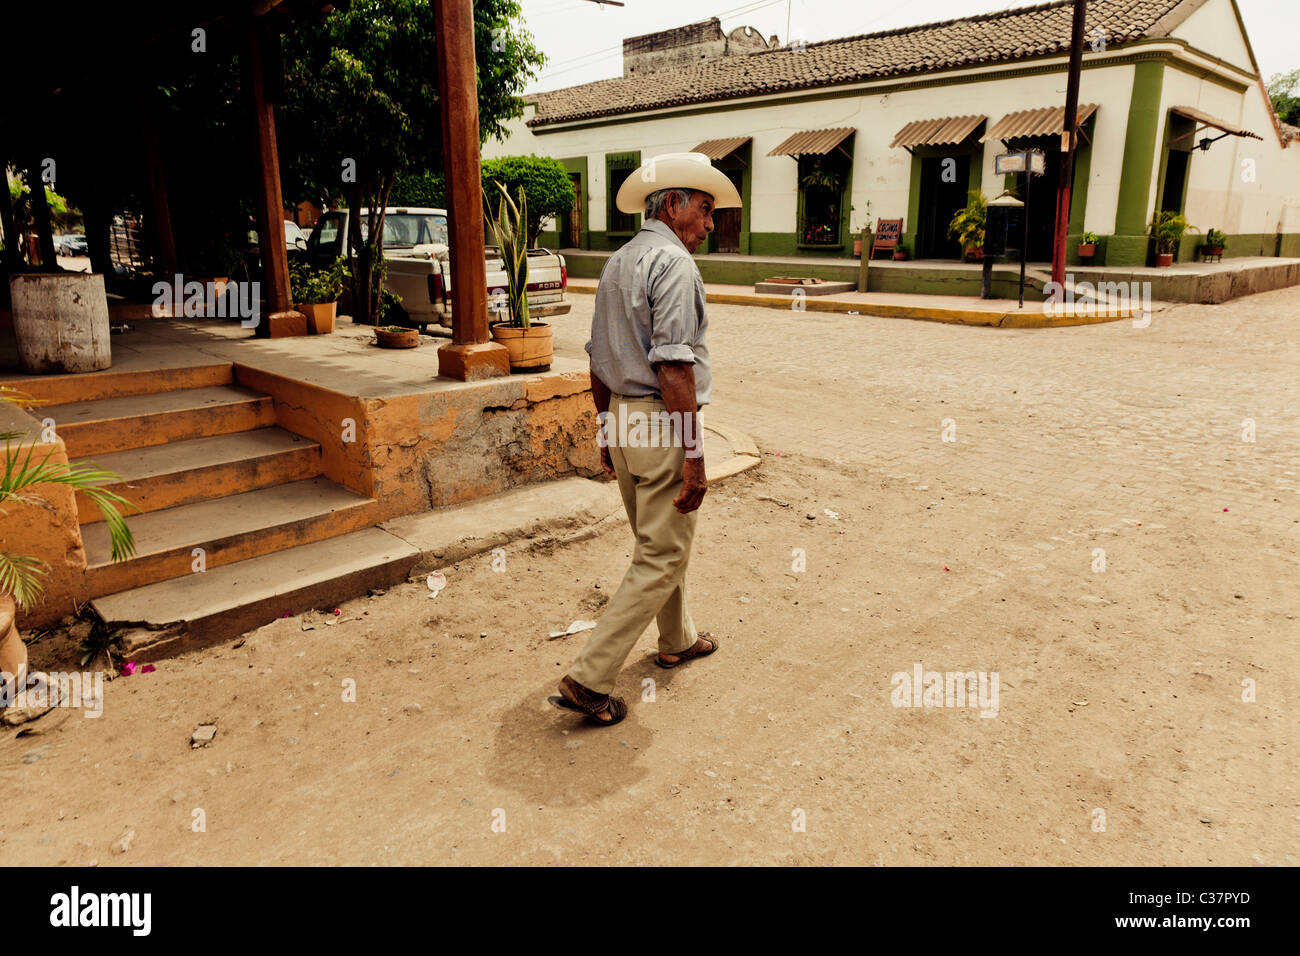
(676, 297)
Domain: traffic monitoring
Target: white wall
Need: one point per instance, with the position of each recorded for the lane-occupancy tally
(1239, 185)
(1214, 29)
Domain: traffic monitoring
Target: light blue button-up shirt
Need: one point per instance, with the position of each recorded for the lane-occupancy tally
(649, 308)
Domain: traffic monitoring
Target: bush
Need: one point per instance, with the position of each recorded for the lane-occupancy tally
(317, 286)
(546, 185)
(419, 189)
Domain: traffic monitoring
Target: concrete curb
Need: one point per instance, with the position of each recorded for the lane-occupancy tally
(558, 512)
(1006, 319)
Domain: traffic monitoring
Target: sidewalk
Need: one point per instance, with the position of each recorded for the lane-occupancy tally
(957, 309)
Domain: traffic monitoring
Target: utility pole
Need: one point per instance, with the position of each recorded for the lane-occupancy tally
(1069, 137)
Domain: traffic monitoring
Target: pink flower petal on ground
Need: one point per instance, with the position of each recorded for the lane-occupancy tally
(337, 612)
(129, 668)
(148, 669)
(1225, 509)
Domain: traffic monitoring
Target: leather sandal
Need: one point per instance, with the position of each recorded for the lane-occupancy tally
(589, 703)
(690, 653)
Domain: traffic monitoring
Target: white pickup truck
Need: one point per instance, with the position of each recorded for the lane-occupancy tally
(415, 248)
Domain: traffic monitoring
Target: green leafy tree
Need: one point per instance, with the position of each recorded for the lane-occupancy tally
(362, 103)
(1281, 91)
(419, 189)
(545, 184)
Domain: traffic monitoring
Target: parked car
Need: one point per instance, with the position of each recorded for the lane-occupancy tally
(294, 242)
(416, 250)
(77, 245)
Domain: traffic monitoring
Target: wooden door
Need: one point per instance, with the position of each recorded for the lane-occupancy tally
(726, 222)
(575, 214)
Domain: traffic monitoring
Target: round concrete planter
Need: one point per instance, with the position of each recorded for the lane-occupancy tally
(404, 339)
(320, 316)
(13, 652)
(60, 322)
(529, 349)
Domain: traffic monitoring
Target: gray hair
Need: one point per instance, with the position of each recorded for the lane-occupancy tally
(658, 200)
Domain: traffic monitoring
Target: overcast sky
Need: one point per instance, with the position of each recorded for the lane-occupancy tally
(584, 40)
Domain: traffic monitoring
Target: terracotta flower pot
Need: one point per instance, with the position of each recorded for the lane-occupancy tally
(320, 316)
(975, 254)
(404, 339)
(857, 248)
(900, 255)
(1164, 259)
(528, 348)
(1087, 250)
(13, 652)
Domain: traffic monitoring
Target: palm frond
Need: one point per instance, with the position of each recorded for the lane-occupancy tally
(20, 575)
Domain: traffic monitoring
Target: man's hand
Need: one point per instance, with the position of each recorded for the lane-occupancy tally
(607, 462)
(677, 385)
(694, 485)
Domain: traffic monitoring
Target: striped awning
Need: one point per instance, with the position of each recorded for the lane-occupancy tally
(1205, 119)
(1049, 121)
(721, 148)
(813, 142)
(937, 132)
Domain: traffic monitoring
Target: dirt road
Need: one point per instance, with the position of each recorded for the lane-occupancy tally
(1119, 733)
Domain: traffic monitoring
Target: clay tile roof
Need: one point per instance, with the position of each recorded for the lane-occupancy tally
(984, 39)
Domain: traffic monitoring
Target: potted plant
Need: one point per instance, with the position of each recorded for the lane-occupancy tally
(1087, 245)
(1214, 244)
(900, 253)
(528, 343)
(393, 336)
(20, 574)
(967, 226)
(316, 293)
(1167, 229)
(858, 231)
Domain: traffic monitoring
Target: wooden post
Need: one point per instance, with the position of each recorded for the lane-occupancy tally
(864, 259)
(471, 355)
(12, 238)
(1065, 182)
(270, 203)
(162, 216)
(41, 215)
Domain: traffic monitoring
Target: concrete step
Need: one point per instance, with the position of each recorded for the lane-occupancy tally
(104, 425)
(228, 529)
(118, 383)
(199, 610)
(182, 472)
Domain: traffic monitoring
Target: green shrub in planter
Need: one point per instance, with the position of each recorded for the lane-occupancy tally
(317, 286)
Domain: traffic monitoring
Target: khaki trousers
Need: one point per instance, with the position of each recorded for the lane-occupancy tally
(650, 479)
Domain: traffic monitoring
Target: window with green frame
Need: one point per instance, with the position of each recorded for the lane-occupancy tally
(618, 166)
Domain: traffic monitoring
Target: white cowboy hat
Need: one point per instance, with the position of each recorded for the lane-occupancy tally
(676, 171)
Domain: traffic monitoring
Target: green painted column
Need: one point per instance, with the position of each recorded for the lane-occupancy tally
(1128, 246)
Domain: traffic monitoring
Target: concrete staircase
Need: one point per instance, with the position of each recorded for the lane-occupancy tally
(237, 524)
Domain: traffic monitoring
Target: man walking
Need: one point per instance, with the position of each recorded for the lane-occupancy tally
(650, 367)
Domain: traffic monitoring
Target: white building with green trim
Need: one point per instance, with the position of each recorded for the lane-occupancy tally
(900, 124)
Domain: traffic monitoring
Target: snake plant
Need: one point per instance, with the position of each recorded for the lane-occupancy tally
(509, 229)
